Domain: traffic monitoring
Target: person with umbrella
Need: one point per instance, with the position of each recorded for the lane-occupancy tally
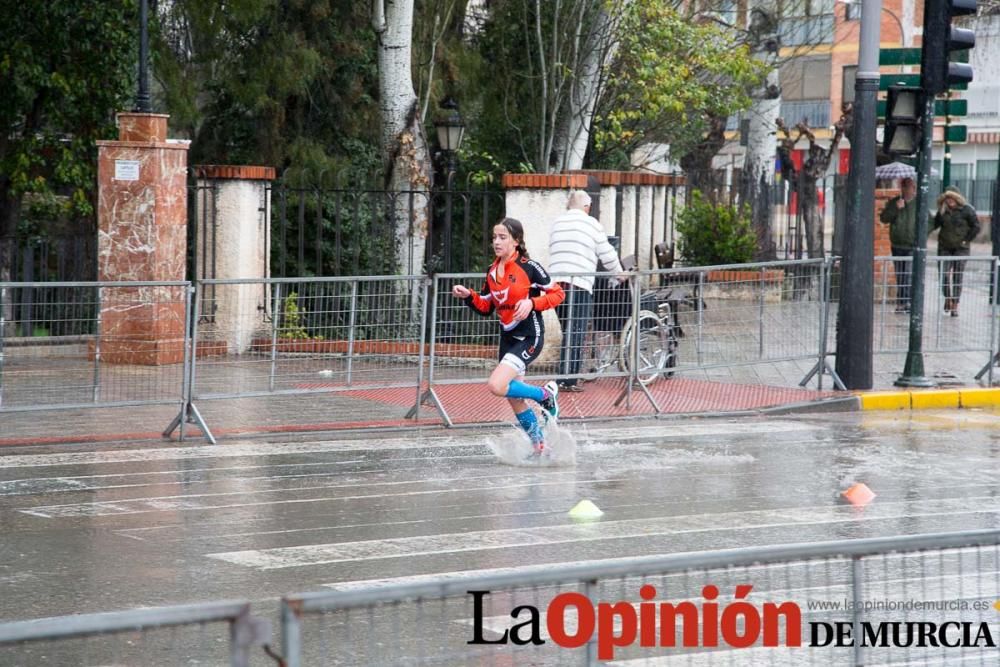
(959, 225)
(900, 213)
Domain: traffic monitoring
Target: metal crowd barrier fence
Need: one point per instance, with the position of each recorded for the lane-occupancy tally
(290, 336)
(922, 599)
(967, 331)
(464, 345)
(284, 336)
(966, 283)
(739, 315)
(97, 340)
(155, 636)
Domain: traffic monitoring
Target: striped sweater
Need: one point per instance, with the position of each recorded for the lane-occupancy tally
(576, 242)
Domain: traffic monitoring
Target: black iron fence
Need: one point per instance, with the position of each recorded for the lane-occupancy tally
(35, 311)
(347, 230)
(796, 206)
(344, 231)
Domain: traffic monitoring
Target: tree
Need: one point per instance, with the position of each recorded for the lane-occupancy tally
(289, 85)
(675, 80)
(65, 70)
(405, 158)
(530, 57)
(803, 181)
(585, 82)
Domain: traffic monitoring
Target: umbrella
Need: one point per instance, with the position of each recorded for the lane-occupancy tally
(895, 170)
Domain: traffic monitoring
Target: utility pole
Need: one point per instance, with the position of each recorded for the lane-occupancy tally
(913, 370)
(855, 329)
(937, 73)
(946, 160)
(995, 224)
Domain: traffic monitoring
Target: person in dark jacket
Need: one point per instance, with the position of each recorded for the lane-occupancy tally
(959, 225)
(900, 213)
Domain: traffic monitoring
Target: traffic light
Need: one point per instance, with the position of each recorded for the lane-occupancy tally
(902, 120)
(939, 40)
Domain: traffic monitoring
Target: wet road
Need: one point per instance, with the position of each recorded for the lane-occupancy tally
(88, 530)
(112, 529)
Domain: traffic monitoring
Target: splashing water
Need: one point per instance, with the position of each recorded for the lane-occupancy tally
(514, 448)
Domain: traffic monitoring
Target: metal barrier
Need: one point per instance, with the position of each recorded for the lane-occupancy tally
(741, 315)
(163, 635)
(106, 330)
(404, 341)
(464, 345)
(790, 604)
(287, 336)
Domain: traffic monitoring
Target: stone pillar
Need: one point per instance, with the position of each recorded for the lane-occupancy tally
(142, 236)
(659, 216)
(537, 200)
(233, 242)
(628, 223)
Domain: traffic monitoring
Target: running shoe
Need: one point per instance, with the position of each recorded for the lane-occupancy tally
(550, 404)
(538, 452)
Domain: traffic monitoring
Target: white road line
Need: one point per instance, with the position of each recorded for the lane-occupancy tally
(659, 430)
(189, 503)
(426, 545)
(43, 485)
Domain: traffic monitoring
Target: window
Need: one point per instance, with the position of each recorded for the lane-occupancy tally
(986, 170)
(982, 194)
(960, 174)
(727, 10)
(852, 11)
(806, 79)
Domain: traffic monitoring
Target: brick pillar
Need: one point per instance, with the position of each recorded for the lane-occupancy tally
(142, 236)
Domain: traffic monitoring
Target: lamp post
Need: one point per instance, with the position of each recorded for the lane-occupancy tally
(855, 332)
(450, 129)
(142, 101)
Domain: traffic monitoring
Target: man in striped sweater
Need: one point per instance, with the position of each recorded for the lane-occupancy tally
(576, 244)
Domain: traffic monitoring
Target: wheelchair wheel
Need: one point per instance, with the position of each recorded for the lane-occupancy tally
(602, 353)
(654, 347)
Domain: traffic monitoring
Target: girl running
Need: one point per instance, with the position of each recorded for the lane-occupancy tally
(518, 289)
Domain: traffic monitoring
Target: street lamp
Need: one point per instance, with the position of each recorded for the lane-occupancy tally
(142, 101)
(450, 129)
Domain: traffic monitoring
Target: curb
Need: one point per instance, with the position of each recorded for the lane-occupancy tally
(930, 399)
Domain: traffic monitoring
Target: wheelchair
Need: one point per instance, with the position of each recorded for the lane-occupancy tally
(610, 335)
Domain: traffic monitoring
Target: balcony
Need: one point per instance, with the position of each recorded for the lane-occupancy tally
(816, 113)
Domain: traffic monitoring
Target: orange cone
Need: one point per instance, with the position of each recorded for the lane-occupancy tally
(859, 495)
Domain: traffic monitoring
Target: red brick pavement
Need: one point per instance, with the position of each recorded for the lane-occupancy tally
(342, 409)
(471, 403)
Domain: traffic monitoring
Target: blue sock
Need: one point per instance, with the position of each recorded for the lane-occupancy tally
(529, 422)
(518, 389)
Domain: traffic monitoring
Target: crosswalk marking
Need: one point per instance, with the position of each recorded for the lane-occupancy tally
(659, 431)
(439, 544)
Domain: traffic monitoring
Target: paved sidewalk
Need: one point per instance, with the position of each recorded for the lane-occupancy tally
(466, 403)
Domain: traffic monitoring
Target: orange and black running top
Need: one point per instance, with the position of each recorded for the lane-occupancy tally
(521, 278)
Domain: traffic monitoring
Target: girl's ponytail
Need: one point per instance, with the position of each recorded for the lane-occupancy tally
(516, 230)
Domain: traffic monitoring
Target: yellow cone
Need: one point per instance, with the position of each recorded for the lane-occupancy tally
(585, 510)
